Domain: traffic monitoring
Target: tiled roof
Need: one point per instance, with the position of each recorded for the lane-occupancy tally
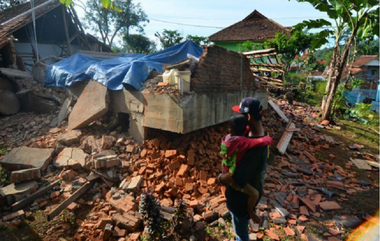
(255, 27)
(362, 60)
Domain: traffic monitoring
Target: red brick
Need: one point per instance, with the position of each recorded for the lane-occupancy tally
(118, 232)
(143, 153)
(189, 187)
(178, 181)
(174, 165)
(193, 204)
(170, 153)
(211, 181)
(72, 206)
(203, 176)
(134, 236)
(69, 175)
(182, 170)
(54, 194)
(190, 157)
(103, 222)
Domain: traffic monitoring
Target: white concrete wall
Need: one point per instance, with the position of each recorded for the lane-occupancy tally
(44, 50)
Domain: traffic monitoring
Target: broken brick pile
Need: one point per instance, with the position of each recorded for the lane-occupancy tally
(113, 171)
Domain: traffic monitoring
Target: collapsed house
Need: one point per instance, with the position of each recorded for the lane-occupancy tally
(30, 39)
(192, 93)
(50, 29)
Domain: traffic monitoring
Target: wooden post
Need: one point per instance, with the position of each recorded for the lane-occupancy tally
(68, 53)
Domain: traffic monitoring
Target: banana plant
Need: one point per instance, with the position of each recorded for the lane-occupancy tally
(359, 17)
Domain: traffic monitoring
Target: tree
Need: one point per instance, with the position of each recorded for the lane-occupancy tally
(290, 44)
(201, 41)
(169, 37)
(138, 43)
(110, 23)
(6, 4)
(360, 18)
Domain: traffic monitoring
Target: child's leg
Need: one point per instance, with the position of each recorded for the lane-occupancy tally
(253, 196)
(227, 179)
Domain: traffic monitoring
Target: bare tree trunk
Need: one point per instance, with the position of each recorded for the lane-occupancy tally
(337, 67)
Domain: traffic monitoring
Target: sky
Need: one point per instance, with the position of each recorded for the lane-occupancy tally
(210, 16)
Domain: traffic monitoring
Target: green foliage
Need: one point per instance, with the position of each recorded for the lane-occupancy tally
(199, 40)
(150, 210)
(169, 38)
(138, 43)
(4, 176)
(210, 231)
(290, 44)
(247, 46)
(110, 23)
(66, 2)
(359, 20)
(368, 47)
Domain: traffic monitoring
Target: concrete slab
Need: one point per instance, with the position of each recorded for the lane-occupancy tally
(64, 110)
(25, 157)
(194, 111)
(15, 192)
(92, 104)
(71, 157)
(69, 138)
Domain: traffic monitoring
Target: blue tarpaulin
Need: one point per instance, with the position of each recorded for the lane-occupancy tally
(131, 69)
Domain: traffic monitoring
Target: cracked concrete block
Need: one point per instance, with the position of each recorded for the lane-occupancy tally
(26, 157)
(92, 104)
(71, 157)
(69, 138)
(15, 192)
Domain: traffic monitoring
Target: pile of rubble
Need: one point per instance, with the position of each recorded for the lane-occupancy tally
(107, 171)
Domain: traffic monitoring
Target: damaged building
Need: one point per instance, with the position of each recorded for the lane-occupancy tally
(55, 30)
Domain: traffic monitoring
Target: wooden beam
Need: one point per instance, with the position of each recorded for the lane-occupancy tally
(20, 204)
(69, 200)
(261, 51)
(267, 70)
(278, 110)
(268, 65)
(285, 139)
(64, 12)
(260, 55)
(267, 78)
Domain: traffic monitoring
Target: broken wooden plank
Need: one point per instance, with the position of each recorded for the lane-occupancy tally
(285, 139)
(278, 111)
(373, 163)
(267, 65)
(20, 204)
(361, 164)
(261, 51)
(69, 200)
(252, 56)
(267, 70)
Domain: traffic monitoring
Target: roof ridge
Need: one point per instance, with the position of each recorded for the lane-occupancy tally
(256, 14)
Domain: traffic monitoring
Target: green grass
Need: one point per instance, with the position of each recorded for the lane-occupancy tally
(359, 133)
